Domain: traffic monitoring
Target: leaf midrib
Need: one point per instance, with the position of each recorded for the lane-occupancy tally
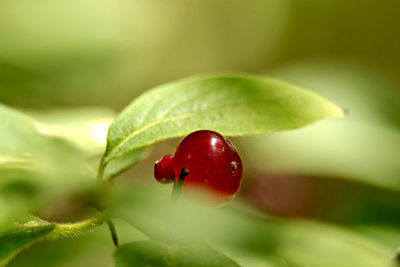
(159, 121)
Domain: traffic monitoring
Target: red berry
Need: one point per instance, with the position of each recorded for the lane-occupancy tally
(164, 169)
(204, 160)
(212, 163)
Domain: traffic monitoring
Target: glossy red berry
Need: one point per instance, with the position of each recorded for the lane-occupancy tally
(208, 161)
(164, 169)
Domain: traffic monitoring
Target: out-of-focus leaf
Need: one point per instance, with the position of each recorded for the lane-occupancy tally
(231, 105)
(24, 148)
(92, 249)
(34, 167)
(19, 193)
(363, 147)
(151, 253)
(20, 236)
(31, 229)
(297, 242)
(337, 200)
(19, 144)
(87, 127)
(388, 236)
(18, 137)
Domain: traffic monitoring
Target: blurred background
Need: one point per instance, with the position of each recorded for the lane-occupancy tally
(59, 56)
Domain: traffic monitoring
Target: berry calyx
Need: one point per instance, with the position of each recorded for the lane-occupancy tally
(164, 169)
(210, 162)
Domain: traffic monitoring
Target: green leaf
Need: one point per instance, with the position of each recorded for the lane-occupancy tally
(231, 105)
(344, 150)
(86, 126)
(21, 236)
(20, 144)
(31, 229)
(388, 236)
(35, 167)
(24, 148)
(151, 253)
(18, 137)
(246, 234)
(363, 147)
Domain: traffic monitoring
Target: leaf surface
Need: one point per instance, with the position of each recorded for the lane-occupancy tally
(31, 229)
(86, 127)
(151, 253)
(243, 233)
(34, 166)
(231, 105)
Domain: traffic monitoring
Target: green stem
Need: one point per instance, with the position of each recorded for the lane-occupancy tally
(114, 236)
(62, 230)
(177, 188)
(100, 172)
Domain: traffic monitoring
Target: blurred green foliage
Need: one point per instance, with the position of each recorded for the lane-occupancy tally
(58, 54)
(85, 49)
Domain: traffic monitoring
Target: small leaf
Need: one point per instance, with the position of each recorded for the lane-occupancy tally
(151, 253)
(20, 236)
(231, 105)
(31, 229)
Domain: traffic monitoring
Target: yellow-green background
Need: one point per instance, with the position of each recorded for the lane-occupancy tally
(63, 54)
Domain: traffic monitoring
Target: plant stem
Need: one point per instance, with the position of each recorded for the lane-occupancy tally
(114, 236)
(63, 230)
(177, 189)
(100, 172)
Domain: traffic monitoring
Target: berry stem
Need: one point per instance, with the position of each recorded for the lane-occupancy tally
(100, 173)
(114, 236)
(177, 189)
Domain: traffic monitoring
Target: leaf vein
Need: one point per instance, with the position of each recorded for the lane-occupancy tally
(162, 120)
